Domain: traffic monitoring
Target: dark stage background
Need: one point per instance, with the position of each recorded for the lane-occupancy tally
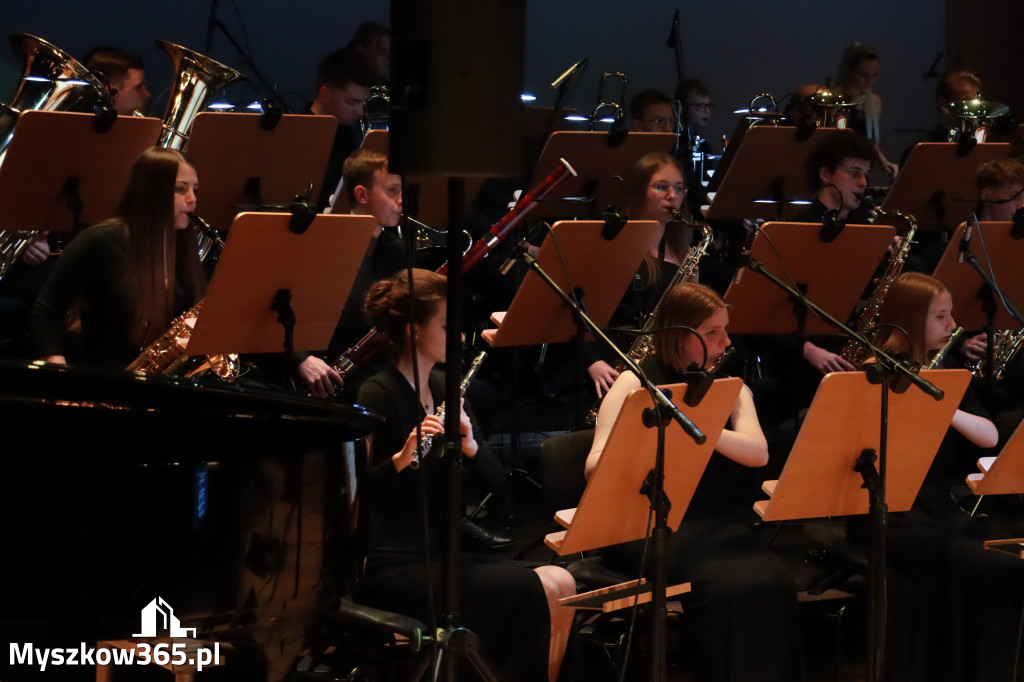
(739, 48)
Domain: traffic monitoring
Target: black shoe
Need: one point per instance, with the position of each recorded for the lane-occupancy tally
(477, 538)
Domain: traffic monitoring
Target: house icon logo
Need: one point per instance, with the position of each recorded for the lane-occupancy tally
(158, 615)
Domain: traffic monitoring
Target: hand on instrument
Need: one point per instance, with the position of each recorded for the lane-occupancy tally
(469, 444)
(603, 375)
(430, 426)
(825, 361)
(891, 168)
(37, 251)
(319, 377)
(975, 347)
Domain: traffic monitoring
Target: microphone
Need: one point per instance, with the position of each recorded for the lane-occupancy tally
(519, 250)
(965, 241)
(557, 83)
(674, 31)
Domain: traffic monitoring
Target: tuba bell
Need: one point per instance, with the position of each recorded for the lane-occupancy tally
(196, 79)
(53, 81)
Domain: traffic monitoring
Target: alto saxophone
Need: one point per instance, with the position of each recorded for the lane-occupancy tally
(428, 440)
(167, 356)
(643, 345)
(853, 352)
(1005, 345)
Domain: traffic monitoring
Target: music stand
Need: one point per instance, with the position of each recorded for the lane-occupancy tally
(852, 258)
(604, 163)
(936, 178)
(612, 509)
(819, 480)
(600, 271)
(241, 160)
(969, 290)
(263, 257)
(838, 474)
(1004, 473)
(81, 185)
(764, 175)
(426, 196)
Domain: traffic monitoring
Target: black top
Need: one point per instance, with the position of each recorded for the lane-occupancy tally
(720, 491)
(392, 515)
(91, 271)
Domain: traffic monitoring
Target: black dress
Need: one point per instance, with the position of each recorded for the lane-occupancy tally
(91, 271)
(501, 601)
(737, 585)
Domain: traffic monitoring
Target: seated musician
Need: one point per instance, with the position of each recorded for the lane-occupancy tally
(737, 584)
(940, 576)
(124, 72)
(373, 191)
(372, 42)
(656, 192)
(342, 87)
(652, 111)
(132, 274)
(511, 605)
(955, 86)
(1000, 186)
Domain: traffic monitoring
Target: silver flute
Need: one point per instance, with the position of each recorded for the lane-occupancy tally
(428, 440)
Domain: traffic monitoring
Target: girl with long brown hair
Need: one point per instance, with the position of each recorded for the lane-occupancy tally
(131, 274)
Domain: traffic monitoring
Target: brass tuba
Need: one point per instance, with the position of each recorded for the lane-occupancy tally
(53, 81)
(196, 79)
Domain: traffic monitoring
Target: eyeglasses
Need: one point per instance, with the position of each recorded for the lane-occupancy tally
(702, 106)
(661, 120)
(664, 187)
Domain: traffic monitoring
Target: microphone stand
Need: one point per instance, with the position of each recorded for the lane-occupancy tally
(892, 374)
(674, 41)
(247, 60)
(653, 487)
(989, 295)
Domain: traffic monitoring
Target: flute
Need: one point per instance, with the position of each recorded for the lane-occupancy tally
(428, 440)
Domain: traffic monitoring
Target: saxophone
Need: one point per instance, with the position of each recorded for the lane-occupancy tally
(428, 441)
(643, 345)
(167, 356)
(1005, 345)
(853, 352)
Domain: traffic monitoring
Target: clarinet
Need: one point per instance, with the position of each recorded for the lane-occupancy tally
(945, 349)
(428, 441)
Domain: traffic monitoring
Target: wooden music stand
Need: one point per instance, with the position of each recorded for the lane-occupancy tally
(1004, 473)
(818, 478)
(431, 190)
(768, 165)
(966, 285)
(239, 162)
(603, 167)
(852, 258)
(601, 269)
(934, 181)
(612, 509)
(263, 256)
(38, 188)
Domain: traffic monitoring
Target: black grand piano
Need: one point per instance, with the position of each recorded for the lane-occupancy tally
(231, 504)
